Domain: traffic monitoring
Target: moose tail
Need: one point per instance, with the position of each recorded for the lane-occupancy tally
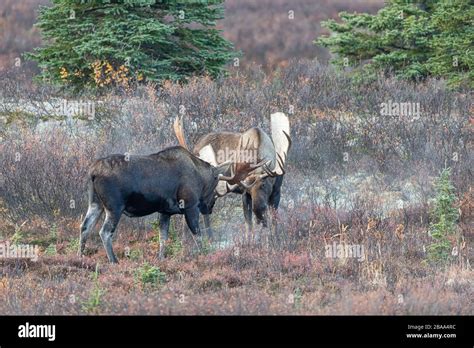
(179, 132)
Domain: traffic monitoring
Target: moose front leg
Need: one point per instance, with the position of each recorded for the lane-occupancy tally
(164, 228)
(247, 207)
(192, 220)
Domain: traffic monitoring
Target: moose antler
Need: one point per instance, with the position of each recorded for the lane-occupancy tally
(241, 172)
(267, 173)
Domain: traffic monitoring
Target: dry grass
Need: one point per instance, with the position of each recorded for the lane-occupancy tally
(273, 275)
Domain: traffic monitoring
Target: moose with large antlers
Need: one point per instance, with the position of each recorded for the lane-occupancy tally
(260, 186)
(176, 181)
(172, 181)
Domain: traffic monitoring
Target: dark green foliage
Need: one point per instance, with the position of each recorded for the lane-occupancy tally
(99, 43)
(453, 45)
(445, 216)
(413, 39)
(149, 275)
(93, 302)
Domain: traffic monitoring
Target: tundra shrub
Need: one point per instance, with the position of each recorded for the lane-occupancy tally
(443, 228)
(174, 245)
(149, 275)
(17, 237)
(73, 246)
(337, 127)
(51, 250)
(92, 304)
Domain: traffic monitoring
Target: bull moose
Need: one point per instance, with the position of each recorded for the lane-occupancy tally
(261, 188)
(172, 181)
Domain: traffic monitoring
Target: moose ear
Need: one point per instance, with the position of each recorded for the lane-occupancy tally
(208, 155)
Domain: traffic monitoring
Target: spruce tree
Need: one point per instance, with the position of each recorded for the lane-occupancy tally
(412, 39)
(443, 227)
(100, 43)
(453, 45)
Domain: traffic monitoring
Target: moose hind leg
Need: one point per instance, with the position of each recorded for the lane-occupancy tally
(107, 232)
(93, 213)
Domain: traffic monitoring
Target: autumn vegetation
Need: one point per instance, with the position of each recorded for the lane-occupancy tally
(347, 162)
(399, 186)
